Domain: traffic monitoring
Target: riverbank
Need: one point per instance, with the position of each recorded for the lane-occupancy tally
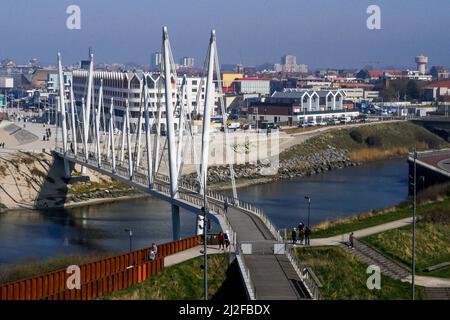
(331, 150)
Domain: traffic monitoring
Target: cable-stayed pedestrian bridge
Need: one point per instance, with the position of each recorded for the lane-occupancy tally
(89, 138)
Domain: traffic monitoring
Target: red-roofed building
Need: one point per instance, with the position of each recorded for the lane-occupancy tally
(376, 74)
(439, 91)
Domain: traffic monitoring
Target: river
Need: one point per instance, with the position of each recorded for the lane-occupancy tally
(100, 229)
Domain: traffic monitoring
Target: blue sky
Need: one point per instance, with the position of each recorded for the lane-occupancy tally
(321, 33)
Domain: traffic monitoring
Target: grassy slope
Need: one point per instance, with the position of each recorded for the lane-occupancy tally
(346, 225)
(396, 139)
(432, 241)
(344, 277)
(179, 282)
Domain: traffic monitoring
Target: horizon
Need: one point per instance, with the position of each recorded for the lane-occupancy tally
(258, 34)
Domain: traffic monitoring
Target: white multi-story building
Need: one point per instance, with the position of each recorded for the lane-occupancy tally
(188, 62)
(289, 64)
(155, 61)
(123, 86)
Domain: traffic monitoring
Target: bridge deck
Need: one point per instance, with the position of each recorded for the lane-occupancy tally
(273, 276)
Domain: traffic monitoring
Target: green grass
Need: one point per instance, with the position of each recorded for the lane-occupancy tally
(398, 135)
(183, 281)
(91, 186)
(344, 277)
(366, 220)
(432, 242)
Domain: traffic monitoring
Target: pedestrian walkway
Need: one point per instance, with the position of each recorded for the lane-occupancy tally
(272, 277)
(189, 254)
(336, 240)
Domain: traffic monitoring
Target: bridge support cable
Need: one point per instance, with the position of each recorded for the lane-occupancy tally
(87, 111)
(97, 124)
(62, 104)
(83, 137)
(122, 144)
(72, 116)
(111, 135)
(209, 105)
(139, 128)
(147, 136)
(229, 157)
(128, 134)
(181, 116)
(169, 75)
(157, 143)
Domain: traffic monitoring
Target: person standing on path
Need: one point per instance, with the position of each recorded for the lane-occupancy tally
(301, 235)
(221, 239)
(227, 239)
(294, 236)
(307, 236)
(351, 240)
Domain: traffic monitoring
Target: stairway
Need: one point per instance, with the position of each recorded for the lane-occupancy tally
(371, 256)
(437, 293)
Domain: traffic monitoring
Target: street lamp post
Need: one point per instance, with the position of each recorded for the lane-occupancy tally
(130, 234)
(414, 228)
(309, 208)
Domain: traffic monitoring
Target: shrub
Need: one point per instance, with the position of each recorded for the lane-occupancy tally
(356, 136)
(374, 141)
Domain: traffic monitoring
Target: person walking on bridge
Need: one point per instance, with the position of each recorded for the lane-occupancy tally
(294, 236)
(225, 205)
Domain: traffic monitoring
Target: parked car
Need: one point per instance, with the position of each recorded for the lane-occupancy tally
(302, 125)
(334, 121)
(322, 123)
(312, 123)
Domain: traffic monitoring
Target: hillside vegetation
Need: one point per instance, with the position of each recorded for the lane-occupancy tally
(370, 142)
(184, 281)
(344, 277)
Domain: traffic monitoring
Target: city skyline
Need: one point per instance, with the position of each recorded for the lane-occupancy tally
(252, 39)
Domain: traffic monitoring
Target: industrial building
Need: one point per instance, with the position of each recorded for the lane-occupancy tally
(252, 85)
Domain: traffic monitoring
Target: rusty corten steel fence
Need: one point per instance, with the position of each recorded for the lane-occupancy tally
(98, 277)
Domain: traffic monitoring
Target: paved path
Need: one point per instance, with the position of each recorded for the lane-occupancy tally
(336, 240)
(430, 282)
(189, 254)
(271, 276)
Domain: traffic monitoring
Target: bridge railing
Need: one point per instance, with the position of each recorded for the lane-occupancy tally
(306, 274)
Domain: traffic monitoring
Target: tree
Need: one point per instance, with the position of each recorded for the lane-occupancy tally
(374, 141)
(356, 136)
(412, 90)
(362, 74)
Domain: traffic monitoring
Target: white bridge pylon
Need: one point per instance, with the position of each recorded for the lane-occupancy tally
(93, 135)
